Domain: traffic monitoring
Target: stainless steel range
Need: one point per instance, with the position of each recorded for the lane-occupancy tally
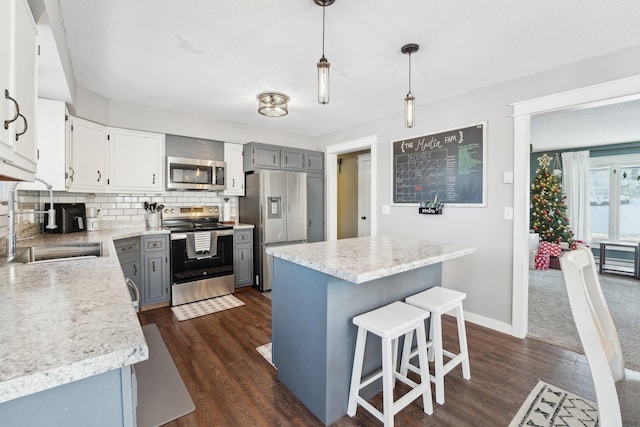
(201, 253)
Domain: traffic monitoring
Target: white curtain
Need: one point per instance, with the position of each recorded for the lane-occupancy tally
(575, 183)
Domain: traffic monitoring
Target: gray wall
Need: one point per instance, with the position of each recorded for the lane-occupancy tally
(486, 276)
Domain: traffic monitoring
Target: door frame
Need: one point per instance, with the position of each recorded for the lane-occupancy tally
(626, 89)
(331, 166)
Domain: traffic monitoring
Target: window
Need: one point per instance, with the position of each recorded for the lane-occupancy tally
(615, 198)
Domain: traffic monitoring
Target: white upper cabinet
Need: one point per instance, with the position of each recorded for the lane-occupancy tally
(18, 86)
(136, 161)
(88, 170)
(102, 159)
(53, 128)
(234, 172)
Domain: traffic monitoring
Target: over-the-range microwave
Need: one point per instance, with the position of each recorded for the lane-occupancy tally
(194, 174)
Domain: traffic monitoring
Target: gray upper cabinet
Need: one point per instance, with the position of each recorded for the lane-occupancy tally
(261, 156)
(266, 156)
(314, 161)
(292, 159)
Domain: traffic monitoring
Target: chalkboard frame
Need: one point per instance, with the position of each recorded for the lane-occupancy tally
(482, 203)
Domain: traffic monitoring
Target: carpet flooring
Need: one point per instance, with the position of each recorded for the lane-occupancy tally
(550, 406)
(550, 318)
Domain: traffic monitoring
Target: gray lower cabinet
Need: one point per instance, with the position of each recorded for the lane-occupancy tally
(156, 281)
(103, 400)
(243, 257)
(130, 256)
(315, 208)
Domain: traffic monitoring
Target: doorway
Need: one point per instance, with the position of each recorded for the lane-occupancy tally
(332, 153)
(354, 194)
(611, 92)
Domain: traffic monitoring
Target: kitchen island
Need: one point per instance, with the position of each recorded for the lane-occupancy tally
(317, 290)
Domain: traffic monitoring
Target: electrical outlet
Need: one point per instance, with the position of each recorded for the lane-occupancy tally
(386, 209)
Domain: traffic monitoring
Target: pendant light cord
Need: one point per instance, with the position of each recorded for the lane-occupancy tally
(324, 6)
(409, 72)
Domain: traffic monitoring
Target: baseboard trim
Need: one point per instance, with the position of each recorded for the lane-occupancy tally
(505, 328)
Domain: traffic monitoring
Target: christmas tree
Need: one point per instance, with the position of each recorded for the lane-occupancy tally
(548, 214)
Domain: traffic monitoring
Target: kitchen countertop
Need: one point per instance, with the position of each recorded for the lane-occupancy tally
(362, 259)
(63, 321)
(66, 320)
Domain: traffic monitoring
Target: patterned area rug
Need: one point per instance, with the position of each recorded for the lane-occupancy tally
(551, 406)
(265, 351)
(204, 307)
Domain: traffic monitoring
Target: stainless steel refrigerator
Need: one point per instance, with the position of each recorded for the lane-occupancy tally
(276, 203)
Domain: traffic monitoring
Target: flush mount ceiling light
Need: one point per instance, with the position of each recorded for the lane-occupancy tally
(323, 64)
(409, 100)
(273, 104)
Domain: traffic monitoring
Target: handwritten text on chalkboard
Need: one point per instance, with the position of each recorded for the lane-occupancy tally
(449, 165)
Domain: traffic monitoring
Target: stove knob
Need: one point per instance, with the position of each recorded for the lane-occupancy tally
(173, 211)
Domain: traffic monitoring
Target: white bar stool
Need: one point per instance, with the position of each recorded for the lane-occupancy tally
(389, 323)
(437, 301)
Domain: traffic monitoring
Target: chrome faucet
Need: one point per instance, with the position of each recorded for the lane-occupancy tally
(11, 238)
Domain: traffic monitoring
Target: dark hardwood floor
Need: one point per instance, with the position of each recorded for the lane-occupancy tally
(232, 385)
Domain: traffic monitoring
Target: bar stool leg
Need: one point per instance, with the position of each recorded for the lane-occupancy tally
(387, 381)
(436, 330)
(462, 338)
(361, 341)
(425, 378)
(430, 349)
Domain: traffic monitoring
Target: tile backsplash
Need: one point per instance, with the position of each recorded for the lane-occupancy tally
(114, 209)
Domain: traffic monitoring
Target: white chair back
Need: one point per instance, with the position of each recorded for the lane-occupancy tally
(596, 329)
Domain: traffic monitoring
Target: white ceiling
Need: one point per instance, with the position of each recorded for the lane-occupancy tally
(211, 58)
(587, 127)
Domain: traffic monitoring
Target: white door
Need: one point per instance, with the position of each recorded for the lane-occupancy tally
(364, 195)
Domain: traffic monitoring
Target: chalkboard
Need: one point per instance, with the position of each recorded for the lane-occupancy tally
(449, 164)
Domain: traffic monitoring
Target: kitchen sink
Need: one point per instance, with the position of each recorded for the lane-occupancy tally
(58, 252)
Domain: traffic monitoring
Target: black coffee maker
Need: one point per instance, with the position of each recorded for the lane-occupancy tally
(70, 217)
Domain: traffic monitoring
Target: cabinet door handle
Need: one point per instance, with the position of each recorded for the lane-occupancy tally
(99, 176)
(233, 182)
(8, 122)
(274, 159)
(72, 174)
(26, 126)
(154, 178)
(308, 163)
(286, 160)
(241, 256)
(135, 270)
(153, 266)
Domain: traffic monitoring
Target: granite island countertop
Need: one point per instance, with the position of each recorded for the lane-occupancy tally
(63, 321)
(362, 259)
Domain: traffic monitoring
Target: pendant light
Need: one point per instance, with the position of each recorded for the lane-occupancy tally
(323, 64)
(409, 100)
